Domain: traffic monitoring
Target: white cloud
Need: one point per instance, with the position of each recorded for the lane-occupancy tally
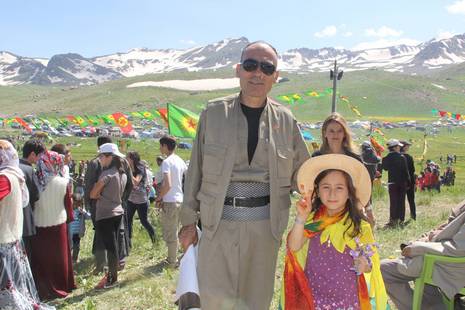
(383, 32)
(444, 35)
(188, 42)
(458, 7)
(328, 31)
(384, 43)
(347, 34)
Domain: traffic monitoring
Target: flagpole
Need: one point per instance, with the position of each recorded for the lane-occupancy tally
(168, 117)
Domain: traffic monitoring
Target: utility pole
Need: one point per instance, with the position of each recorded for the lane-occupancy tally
(335, 75)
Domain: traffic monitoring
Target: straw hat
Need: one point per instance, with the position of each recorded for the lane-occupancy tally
(355, 169)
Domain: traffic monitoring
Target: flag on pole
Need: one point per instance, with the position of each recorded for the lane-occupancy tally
(182, 123)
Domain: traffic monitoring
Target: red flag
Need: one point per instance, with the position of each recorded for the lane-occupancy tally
(23, 123)
(164, 114)
(457, 116)
(442, 113)
(122, 122)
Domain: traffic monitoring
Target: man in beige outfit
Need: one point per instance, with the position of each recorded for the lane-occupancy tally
(245, 156)
(447, 240)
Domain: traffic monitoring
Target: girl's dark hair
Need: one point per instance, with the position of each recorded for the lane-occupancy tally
(135, 157)
(355, 215)
(116, 162)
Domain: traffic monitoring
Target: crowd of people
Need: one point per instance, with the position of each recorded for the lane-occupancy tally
(44, 206)
(247, 158)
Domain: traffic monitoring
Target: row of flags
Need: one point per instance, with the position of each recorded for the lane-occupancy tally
(294, 98)
(442, 113)
(181, 122)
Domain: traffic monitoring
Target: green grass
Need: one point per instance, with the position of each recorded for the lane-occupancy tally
(146, 283)
(378, 94)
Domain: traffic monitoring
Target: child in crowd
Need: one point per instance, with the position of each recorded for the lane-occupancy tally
(331, 255)
(77, 228)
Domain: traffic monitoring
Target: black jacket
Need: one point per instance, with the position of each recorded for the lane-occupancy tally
(396, 166)
(29, 228)
(410, 167)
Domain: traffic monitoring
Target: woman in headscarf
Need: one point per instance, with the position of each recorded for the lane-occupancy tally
(17, 289)
(51, 257)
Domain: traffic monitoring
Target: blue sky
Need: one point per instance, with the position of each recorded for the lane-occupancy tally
(98, 27)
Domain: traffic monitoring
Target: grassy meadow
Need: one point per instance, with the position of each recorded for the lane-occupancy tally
(147, 283)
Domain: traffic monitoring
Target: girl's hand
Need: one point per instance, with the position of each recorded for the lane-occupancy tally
(361, 265)
(304, 207)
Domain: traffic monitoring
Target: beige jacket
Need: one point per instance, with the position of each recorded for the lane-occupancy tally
(449, 242)
(212, 162)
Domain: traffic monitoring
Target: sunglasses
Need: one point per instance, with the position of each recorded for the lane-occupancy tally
(250, 65)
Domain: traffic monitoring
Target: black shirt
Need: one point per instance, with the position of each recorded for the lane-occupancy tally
(253, 121)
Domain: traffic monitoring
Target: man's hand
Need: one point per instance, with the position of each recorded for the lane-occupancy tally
(407, 252)
(159, 202)
(187, 236)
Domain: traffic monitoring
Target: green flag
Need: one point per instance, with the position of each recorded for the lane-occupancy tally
(181, 122)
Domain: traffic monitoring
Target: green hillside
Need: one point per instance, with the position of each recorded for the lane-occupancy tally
(378, 94)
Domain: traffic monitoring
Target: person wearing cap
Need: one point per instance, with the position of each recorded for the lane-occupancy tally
(398, 180)
(108, 193)
(371, 162)
(243, 164)
(411, 171)
(93, 171)
(326, 240)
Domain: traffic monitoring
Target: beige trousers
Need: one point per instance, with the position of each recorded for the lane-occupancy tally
(169, 218)
(236, 268)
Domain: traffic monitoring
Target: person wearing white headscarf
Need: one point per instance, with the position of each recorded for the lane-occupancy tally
(17, 289)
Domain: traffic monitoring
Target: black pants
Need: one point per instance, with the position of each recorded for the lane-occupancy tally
(108, 229)
(411, 202)
(98, 248)
(76, 246)
(397, 193)
(142, 210)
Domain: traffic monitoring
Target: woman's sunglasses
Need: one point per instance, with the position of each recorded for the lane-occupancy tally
(250, 65)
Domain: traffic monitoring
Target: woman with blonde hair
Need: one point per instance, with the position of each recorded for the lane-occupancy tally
(337, 139)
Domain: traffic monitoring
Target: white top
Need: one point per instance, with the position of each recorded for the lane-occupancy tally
(175, 167)
(11, 212)
(50, 210)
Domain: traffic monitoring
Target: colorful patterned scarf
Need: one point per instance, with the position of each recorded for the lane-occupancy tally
(297, 290)
(49, 165)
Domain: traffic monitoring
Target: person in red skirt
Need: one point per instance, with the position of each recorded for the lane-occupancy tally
(51, 264)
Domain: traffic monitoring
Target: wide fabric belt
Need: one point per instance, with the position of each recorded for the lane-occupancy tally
(244, 214)
(248, 189)
(252, 202)
(247, 201)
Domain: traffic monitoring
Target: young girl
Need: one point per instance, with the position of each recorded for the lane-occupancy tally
(139, 198)
(331, 255)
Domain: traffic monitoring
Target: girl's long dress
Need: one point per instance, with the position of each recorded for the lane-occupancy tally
(333, 284)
